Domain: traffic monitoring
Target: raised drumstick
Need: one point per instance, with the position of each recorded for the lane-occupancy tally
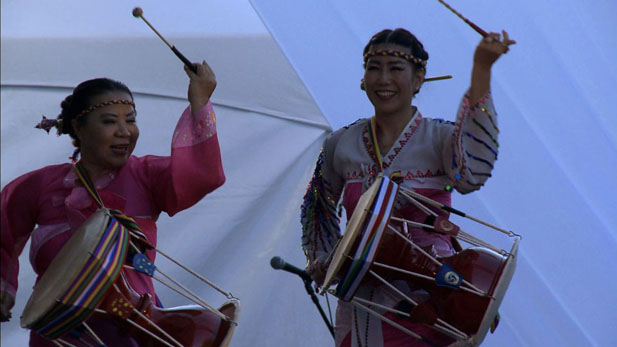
(139, 13)
(471, 24)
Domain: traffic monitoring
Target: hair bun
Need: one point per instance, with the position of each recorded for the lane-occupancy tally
(66, 103)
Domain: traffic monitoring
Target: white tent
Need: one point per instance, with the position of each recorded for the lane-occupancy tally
(554, 182)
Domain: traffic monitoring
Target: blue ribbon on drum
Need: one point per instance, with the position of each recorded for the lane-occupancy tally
(142, 264)
(448, 277)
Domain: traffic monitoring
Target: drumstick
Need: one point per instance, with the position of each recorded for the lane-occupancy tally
(228, 295)
(455, 211)
(139, 13)
(471, 24)
(93, 334)
(389, 321)
(437, 78)
(451, 329)
(151, 334)
(146, 331)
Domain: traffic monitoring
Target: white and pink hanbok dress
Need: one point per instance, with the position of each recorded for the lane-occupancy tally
(49, 204)
(430, 156)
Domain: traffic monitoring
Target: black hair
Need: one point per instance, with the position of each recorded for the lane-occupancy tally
(401, 37)
(81, 99)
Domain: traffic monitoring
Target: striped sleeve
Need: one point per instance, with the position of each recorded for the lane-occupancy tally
(474, 146)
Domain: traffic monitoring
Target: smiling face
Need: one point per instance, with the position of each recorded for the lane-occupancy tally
(391, 82)
(108, 135)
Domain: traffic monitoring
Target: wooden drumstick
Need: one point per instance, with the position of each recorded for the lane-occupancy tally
(471, 24)
(139, 13)
(447, 208)
(437, 78)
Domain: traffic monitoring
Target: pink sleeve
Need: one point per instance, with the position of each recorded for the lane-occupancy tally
(18, 212)
(194, 169)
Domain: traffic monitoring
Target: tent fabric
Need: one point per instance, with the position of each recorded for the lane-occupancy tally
(276, 101)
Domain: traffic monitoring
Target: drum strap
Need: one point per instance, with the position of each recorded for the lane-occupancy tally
(85, 180)
(125, 220)
(373, 130)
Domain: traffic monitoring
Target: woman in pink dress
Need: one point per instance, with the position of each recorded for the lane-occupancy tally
(49, 204)
(428, 155)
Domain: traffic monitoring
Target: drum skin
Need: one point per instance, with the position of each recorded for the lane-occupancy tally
(189, 325)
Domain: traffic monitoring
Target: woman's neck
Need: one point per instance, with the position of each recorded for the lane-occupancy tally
(390, 126)
(94, 171)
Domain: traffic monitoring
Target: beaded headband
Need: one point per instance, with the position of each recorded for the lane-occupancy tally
(103, 104)
(392, 53)
(47, 123)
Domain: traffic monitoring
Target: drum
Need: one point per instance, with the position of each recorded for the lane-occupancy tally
(78, 277)
(465, 289)
(86, 278)
(359, 246)
(178, 326)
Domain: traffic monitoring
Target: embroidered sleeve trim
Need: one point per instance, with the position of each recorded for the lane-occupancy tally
(195, 127)
(320, 222)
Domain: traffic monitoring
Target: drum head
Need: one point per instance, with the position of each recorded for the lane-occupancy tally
(65, 267)
(353, 230)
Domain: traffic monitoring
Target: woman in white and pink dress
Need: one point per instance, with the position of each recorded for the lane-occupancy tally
(429, 155)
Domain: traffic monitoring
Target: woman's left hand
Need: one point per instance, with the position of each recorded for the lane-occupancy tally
(201, 85)
(491, 48)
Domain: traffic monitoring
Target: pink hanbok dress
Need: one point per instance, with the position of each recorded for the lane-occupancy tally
(48, 204)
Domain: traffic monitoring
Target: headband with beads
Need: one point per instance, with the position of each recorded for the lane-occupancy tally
(47, 123)
(393, 53)
(103, 104)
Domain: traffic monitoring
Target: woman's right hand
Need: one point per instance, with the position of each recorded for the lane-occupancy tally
(6, 303)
